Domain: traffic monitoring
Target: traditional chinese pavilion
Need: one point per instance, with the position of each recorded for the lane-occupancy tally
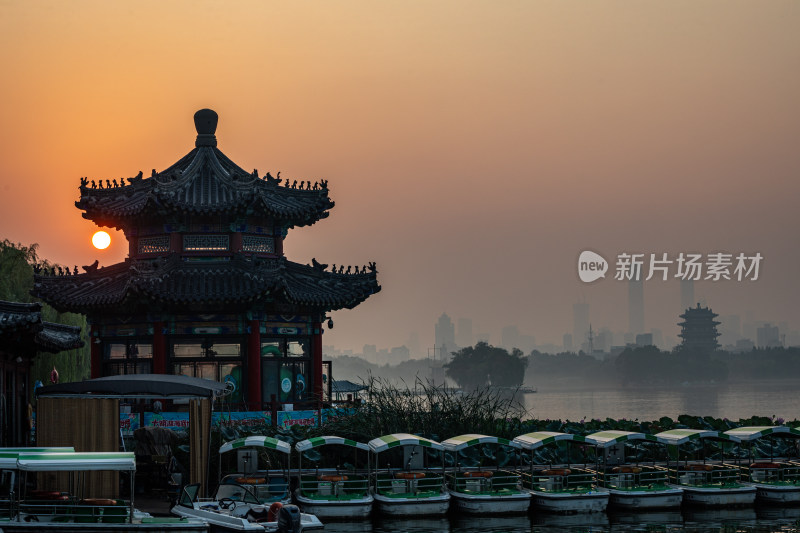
(699, 330)
(23, 333)
(206, 290)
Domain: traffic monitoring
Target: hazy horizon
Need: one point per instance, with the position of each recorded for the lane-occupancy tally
(473, 149)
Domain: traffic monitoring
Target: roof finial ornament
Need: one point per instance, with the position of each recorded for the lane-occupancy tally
(205, 122)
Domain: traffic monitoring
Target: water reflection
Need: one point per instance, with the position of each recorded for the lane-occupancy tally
(734, 401)
(712, 517)
(665, 517)
(416, 525)
(561, 521)
(515, 524)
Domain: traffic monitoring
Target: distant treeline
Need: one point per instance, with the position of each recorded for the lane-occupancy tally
(648, 365)
(639, 365)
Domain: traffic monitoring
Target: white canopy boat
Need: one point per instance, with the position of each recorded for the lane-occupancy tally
(634, 485)
(250, 499)
(334, 492)
(8, 474)
(557, 488)
(411, 490)
(483, 491)
(69, 511)
(706, 483)
(776, 481)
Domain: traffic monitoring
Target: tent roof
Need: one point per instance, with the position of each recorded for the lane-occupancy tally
(137, 386)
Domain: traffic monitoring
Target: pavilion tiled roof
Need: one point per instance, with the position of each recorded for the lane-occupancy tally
(205, 181)
(177, 281)
(21, 324)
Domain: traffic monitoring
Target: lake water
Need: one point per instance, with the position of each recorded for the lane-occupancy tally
(733, 401)
(727, 521)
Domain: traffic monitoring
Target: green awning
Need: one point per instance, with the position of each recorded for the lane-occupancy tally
(537, 439)
(314, 442)
(381, 444)
(261, 442)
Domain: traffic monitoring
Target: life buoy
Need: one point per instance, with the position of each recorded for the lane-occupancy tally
(332, 478)
(476, 473)
(764, 465)
(409, 475)
(250, 480)
(274, 510)
(626, 469)
(700, 468)
(557, 472)
(45, 495)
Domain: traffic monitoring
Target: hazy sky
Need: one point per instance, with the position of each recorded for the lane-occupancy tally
(473, 149)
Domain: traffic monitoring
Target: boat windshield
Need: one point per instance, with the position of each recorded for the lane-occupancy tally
(235, 492)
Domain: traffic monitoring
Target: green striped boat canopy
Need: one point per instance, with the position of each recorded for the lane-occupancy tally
(262, 442)
(604, 439)
(465, 441)
(756, 432)
(76, 461)
(307, 444)
(381, 444)
(682, 436)
(9, 456)
(537, 439)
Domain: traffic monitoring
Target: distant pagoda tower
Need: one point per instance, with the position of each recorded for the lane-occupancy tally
(206, 290)
(699, 330)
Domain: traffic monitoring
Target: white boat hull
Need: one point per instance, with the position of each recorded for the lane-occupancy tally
(429, 506)
(350, 509)
(218, 521)
(744, 495)
(491, 504)
(566, 502)
(668, 498)
(777, 494)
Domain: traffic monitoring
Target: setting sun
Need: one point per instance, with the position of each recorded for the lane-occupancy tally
(101, 240)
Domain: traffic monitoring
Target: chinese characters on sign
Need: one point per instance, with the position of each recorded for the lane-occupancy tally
(688, 266)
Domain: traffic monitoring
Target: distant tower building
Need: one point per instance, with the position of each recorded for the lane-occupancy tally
(636, 306)
(644, 339)
(768, 336)
(567, 342)
(687, 293)
(509, 337)
(445, 336)
(699, 330)
(580, 323)
(464, 332)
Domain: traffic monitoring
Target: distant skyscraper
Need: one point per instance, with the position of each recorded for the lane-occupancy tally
(464, 332)
(768, 336)
(687, 294)
(567, 342)
(445, 337)
(636, 306)
(509, 337)
(580, 324)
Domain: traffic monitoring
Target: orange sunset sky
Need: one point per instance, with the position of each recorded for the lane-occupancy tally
(473, 149)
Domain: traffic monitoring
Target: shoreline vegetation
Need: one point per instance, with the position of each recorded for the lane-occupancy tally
(438, 413)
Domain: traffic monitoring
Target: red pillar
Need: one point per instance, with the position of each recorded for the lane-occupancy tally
(253, 398)
(159, 348)
(95, 354)
(316, 358)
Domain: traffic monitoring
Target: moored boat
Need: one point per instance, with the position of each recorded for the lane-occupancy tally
(777, 481)
(65, 508)
(412, 489)
(484, 491)
(633, 484)
(704, 482)
(251, 499)
(560, 488)
(334, 492)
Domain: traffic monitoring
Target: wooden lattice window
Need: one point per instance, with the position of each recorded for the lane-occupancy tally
(258, 243)
(206, 243)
